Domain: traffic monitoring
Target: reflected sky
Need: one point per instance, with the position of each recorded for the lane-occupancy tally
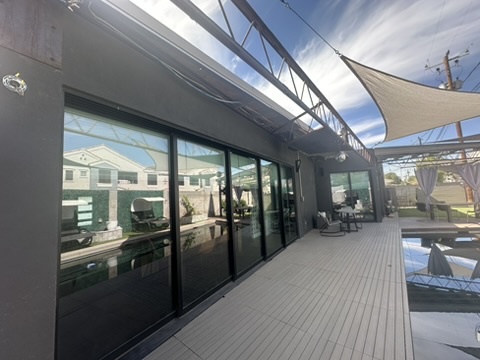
(444, 335)
(445, 322)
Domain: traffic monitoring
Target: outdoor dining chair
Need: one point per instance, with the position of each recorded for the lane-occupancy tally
(329, 228)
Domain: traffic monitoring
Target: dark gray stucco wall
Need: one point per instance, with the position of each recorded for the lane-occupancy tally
(307, 202)
(31, 133)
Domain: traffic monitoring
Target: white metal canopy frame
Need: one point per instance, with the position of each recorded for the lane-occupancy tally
(408, 107)
(315, 130)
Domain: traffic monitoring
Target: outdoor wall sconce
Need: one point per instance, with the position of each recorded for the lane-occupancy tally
(298, 163)
(341, 156)
(15, 83)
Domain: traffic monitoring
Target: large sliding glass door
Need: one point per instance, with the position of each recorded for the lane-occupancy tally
(353, 189)
(271, 207)
(203, 230)
(246, 211)
(115, 263)
(123, 269)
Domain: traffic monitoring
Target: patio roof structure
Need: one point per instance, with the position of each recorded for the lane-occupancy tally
(318, 129)
(445, 154)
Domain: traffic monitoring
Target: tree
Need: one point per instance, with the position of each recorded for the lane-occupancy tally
(394, 177)
(412, 179)
(441, 176)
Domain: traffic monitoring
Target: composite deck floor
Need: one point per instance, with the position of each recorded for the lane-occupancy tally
(321, 298)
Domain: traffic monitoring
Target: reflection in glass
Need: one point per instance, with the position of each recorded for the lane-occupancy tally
(204, 238)
(353, 189)
(115, 271)
(444, 309)
(271, 204)
(288, 199)
(245, 196)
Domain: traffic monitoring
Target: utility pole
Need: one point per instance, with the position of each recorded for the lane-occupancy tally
(451, 86)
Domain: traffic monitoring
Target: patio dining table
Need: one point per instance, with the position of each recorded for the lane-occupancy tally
(348, 215)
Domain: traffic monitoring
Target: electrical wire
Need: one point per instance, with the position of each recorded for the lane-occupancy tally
(434, 36)
(287, 5)
(476, 66)
(461, 24)
(476, 87)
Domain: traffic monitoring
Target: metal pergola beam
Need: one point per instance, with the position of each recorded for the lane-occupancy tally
(397, 151)
(229, 41)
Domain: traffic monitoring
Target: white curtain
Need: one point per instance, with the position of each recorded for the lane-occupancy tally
(427, 179)
(470, 173)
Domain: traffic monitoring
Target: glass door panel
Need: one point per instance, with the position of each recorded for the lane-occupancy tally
(245, 195)
(340, 185)
(271, 204)
(115, 261)
(288, 203)
(352, 189)
(203, 235)
(361, 194)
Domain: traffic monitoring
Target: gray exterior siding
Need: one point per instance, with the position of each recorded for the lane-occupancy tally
(102, 68)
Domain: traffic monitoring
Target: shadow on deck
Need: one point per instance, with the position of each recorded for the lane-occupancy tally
(321, 298)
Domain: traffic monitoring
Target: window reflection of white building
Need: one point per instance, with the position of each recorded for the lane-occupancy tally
(100, 167)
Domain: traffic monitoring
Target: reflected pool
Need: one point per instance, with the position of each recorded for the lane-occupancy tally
(443, 282)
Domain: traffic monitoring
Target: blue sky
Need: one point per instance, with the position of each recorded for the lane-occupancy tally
(399, 37)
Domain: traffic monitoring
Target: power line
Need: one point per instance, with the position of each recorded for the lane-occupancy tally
(476, 87)
(435, 34)
(287, 5)
(476, 66)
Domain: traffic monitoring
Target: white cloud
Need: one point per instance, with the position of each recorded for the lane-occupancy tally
(372, 140)
(395, 37)
(171, 16)
(364, 125)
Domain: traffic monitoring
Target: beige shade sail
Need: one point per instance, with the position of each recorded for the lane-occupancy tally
(409, 108)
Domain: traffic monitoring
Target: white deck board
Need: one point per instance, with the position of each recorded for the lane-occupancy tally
(321, 298)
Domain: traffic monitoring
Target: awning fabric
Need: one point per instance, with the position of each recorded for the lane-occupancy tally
(409, 108)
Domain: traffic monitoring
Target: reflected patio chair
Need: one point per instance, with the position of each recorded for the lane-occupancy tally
(143, 218)
(329, 228)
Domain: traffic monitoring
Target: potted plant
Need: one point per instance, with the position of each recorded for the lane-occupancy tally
(190, 215)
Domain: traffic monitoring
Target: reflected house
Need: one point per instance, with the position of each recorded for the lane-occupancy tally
(100, 168)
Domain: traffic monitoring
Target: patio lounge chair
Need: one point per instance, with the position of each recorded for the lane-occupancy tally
(329, 228)
(71, 231)
(143, 218)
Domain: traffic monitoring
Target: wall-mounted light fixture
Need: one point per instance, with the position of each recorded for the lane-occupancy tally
(15, 83)
(341, 156)
(298, 163)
